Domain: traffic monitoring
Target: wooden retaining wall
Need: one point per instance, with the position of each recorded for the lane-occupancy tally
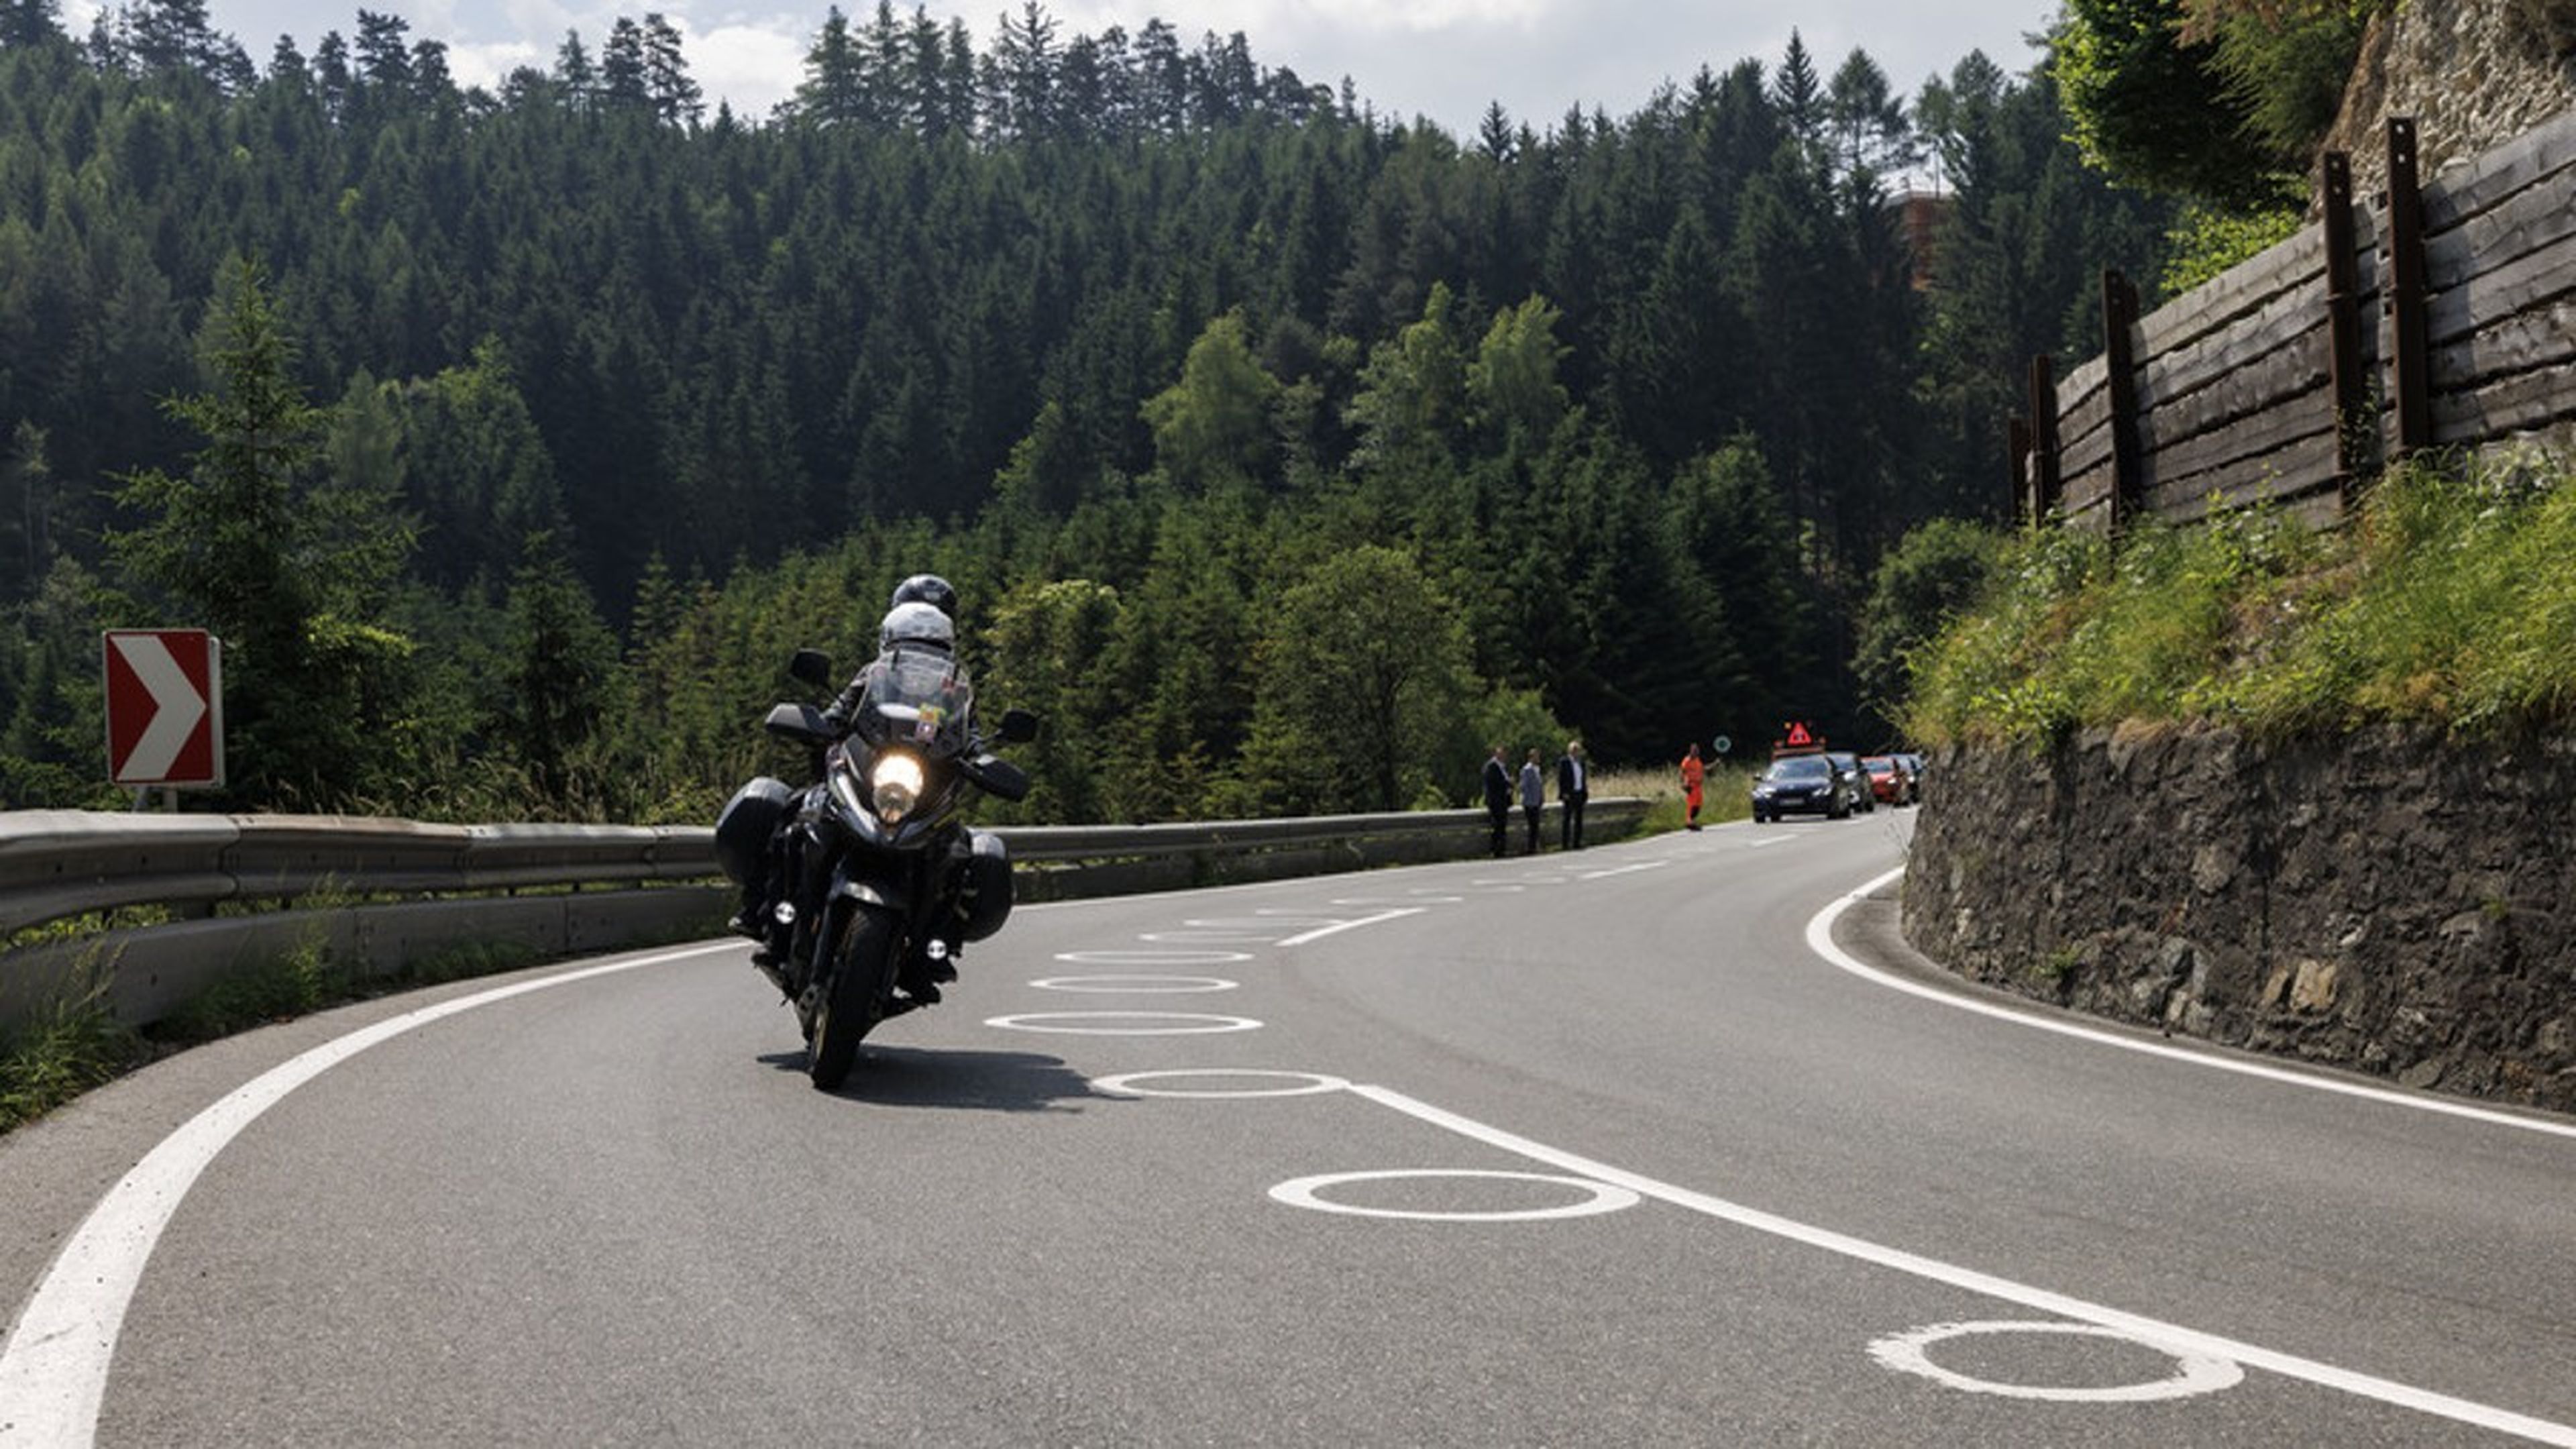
(2435, 316)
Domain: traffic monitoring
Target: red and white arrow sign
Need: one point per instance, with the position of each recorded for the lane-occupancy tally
(165, 717)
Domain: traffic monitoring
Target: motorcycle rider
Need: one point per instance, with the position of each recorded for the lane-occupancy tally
(920, 618)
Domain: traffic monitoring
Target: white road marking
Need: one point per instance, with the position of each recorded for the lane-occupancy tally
(1820, 939)
(1599, 1197)
(2172, 1337)
(53, 1372)
(1142, 956)
(2198, 1374)
(1625, 869)
(1078, 1023)
(1127, 983)
(1340, 926)
(1309, 1084)
(1768, 840)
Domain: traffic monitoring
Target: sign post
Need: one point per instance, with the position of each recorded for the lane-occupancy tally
(165, 708)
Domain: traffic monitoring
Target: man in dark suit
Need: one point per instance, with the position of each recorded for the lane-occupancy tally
(1498, 797)
(1573, 787)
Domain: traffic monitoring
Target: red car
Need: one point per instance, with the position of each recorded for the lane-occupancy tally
(1889, 780)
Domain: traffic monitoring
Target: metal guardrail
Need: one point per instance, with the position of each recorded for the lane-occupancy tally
(58, 864)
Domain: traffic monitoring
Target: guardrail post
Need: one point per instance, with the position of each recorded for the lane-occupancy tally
(2352, 416)
(2025, 500)
(2045, 483)
(2405, 305)
(2128, 468)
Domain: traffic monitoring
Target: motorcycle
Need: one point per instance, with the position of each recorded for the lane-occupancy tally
(862, 887)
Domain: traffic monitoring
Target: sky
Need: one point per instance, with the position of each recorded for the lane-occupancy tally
(1442, 59)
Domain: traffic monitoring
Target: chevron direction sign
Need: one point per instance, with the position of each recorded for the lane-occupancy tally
(165, 707)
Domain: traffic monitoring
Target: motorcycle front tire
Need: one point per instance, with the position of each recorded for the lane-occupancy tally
(864, 962)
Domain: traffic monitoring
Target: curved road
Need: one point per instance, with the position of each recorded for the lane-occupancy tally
(1589, 1149)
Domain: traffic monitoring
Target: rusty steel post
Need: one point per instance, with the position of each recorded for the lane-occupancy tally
(2045, 483)
(2407, 353)
(2353, 421)
(2017, 448)
(2120, 385)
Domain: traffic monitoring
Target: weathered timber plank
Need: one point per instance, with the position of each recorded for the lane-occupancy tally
(2265, 382)
(2282, 320)
(2537, 338)
(2241, 289)
(2536, 156)
(2282, 473)
(2482, 301)
(2510, 405)
(2296, 416)
(2088, 490)
(2090, 450)
(2085, 377)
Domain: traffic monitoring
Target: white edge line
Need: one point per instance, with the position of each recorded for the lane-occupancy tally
(53, 1369)
(1337, 927)
(2162, 1334)
(1820, 939)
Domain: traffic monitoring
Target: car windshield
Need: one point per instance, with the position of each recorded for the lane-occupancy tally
(1799, 767)
(1879, 764)
(916, 697)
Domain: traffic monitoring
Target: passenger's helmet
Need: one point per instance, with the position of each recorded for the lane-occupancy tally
(916, 623)
(928, 589)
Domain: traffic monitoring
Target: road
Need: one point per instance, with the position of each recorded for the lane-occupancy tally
(1581, 1149)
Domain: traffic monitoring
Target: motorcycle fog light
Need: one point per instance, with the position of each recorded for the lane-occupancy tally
(896, 781)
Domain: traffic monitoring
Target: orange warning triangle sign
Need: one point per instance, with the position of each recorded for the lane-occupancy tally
(1798, 735)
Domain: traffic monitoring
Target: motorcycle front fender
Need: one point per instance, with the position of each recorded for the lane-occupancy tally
(884, 895)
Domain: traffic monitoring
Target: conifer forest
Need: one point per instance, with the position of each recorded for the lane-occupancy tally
(1284, 454)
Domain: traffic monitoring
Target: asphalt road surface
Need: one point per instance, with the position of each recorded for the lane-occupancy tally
(1628, 1146)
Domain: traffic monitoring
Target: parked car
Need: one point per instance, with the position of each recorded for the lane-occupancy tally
(1808, 785)
(1849, 765)
(1889, 781)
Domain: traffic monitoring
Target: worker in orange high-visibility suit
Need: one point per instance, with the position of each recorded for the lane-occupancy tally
(1694, 775)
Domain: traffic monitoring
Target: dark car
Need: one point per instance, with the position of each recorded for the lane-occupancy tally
(1849, 766)
(1808, 785)
(1889, 779)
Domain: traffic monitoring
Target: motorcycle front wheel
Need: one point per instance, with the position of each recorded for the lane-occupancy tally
(863, 968)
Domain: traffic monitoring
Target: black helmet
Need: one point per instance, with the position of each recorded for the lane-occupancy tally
(928, 589)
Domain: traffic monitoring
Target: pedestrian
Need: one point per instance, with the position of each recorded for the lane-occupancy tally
(1573, 787)
(1533, 795)
(1694, 774)
(1498, 796)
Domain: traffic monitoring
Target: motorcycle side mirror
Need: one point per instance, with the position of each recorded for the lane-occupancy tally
(1018, 727)
(811, 666)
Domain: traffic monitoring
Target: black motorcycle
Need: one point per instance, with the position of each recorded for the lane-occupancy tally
(862, 887)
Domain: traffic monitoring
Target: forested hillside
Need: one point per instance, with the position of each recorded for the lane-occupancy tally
(1282, 453)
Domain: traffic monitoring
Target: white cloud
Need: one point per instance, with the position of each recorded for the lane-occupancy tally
(752, 66)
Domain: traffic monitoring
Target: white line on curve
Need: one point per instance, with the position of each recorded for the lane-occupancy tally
(53, 1370)
(1339, 926)
(1820, 939)
(2164, 1335)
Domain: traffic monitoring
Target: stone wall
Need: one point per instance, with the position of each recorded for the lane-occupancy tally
(2521, 53)
(2393, 902)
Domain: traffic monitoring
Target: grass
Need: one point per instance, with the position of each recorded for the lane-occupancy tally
(2447, 604)
(1726, 794)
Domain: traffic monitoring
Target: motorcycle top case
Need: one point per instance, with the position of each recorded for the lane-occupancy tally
(744, 828)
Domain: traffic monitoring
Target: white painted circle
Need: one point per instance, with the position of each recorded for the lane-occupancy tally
(1266, 925)
(1082, 1023)
(1176, 937)
(1600, 1197)
(1108, 983)
(1307, 1084)
(1417, 899)
(1146, 956)
(2197, 1373)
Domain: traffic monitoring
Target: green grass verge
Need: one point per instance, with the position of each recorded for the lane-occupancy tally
(2447, 603)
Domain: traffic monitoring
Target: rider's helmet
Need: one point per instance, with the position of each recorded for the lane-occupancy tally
(919, 624)
(928, 589)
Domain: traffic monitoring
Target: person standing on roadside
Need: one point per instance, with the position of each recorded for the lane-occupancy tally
(1498, 797)
(1533, 796)
(1573, 787)
(1694, 775)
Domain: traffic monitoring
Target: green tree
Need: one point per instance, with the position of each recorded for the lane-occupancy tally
(1214, 424)
(560, 668)
(1363, 675)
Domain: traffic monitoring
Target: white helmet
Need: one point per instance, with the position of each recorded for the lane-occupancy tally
(916, 623)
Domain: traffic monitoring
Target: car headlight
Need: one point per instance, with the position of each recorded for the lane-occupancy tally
(895, 780)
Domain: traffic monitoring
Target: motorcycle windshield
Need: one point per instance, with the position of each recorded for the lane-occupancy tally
(918, 699)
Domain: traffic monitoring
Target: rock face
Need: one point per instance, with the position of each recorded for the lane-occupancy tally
(2392, 902)
(2473, 73)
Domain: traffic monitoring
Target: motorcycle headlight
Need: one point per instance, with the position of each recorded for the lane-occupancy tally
(896, 783)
